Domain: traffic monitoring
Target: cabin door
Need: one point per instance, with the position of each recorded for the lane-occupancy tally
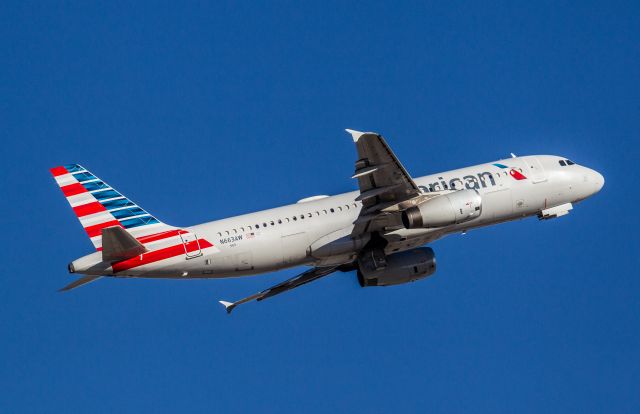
(536, 171)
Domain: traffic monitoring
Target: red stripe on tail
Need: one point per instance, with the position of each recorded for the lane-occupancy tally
(56, 171)
(96, 230)
(90, 208)
(159, 236)
(73, 189)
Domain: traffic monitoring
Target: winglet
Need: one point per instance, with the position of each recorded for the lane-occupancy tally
(355, 134)
(227, 305)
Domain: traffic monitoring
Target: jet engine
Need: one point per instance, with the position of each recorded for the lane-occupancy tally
(376, 269)
(444, 210)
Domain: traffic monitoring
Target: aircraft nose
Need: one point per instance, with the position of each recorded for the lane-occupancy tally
(598, 180)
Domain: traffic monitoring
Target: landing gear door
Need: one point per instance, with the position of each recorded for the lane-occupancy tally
(191, 245)
(536, 171)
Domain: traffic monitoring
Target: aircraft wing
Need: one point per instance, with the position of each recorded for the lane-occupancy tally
(299, 280)
(385, 185)
(79, 282)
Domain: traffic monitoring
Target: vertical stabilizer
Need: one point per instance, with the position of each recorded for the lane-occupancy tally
(98, 205)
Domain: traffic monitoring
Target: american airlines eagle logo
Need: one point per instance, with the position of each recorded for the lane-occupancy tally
(517, 175)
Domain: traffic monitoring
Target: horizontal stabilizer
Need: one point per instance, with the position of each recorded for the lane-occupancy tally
(79, 282)
(118, 244)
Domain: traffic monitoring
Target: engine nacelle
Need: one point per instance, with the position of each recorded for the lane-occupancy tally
(444, 210)
(396, 268)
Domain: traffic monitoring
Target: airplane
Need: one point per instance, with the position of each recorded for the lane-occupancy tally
(378, 231)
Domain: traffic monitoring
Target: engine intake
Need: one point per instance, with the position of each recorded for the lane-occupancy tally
(396, 268)
(444, 210)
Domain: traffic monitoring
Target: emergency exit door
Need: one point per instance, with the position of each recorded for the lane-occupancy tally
(536, 170)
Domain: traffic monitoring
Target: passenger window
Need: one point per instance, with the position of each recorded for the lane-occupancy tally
(272, 223)
(332, 210)
(301, 216)
(324, 211)
(242, 229)
(339, 208)
(257, 226)
(235, 231)
(295, 218)
(309, 215)
(562, 163)
(226, 232)
(219, 234)
(317, 213)
(264, 224)
(279, 221)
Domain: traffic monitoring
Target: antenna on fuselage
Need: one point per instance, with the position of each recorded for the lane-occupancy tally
(513, 155)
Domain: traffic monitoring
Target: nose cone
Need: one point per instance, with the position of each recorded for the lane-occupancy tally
(598, 181)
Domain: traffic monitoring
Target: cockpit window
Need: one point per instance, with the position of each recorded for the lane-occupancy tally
(564, 163)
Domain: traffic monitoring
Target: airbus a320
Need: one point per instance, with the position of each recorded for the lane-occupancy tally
(379, 231)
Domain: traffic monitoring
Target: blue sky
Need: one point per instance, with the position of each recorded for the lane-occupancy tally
(203, 111)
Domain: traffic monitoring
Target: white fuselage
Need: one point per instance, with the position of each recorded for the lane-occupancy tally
(316, 232)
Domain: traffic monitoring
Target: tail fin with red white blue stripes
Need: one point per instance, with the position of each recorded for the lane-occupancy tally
(97, 205)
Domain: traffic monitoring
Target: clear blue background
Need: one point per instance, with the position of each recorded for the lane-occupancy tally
(200, 112)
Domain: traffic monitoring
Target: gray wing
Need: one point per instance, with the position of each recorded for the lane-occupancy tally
(385, 186)
(296, 281)
(80, 282)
